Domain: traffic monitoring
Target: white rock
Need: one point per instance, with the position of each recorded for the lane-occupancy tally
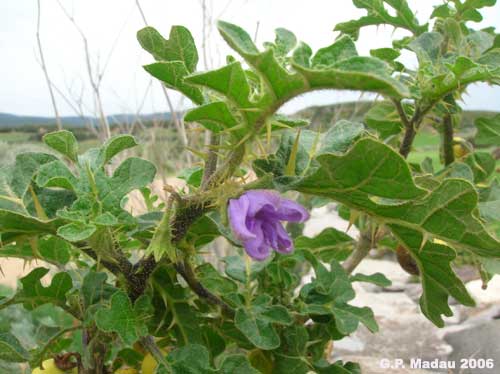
(489, 296)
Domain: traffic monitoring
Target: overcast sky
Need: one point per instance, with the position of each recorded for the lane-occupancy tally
(110, 27)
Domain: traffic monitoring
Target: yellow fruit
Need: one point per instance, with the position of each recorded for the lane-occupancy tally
(459, 150)
(126, 371)
(148, 364)
(49, 367)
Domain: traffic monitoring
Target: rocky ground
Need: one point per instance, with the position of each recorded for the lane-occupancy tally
(471, 333)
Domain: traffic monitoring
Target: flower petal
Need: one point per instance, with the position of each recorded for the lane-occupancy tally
(289, 210)
(238, 212)
(262, 199)
(285, 243)
(258, 248)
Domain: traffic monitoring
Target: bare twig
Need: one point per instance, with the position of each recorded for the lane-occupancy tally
(44, 68)
(95, 81)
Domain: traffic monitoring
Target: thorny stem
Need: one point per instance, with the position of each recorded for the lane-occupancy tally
(211, 163)
(448, 140)
(186, 271)
(149, 343)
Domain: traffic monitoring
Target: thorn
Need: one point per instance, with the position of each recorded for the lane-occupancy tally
(292, 161)
(353, 216)
(425, 239)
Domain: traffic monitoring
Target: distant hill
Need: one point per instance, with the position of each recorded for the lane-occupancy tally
(12, 121)
(355, 111)
(324, 115)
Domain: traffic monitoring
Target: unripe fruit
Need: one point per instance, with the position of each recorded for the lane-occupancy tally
(49, 367)
(460, 147)
(126, 371)
(406, 261)
(459, 151)
(149, 363)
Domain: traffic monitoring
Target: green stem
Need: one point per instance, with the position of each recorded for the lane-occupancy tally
(359, 253)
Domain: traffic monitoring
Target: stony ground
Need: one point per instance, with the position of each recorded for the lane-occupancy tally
(404, 332)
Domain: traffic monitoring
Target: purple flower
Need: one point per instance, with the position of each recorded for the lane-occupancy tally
(256, 217)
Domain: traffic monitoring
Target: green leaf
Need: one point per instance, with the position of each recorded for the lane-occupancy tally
(384, 118)
(131, 174)
(258, 330)
(34, 293)
(14, 182)
(124, 319)
(179, 47)
(215, 116)
(329, 293)
(76, 231)
(229, 80)
(342, 49)
(56, 174)
(438, 279)
(237, 38)
(341, 136)
(278, 162)
(404, 17)
(355, 73)
(385, 173)
(285, 41)
(386, 54)
(172, 73)
(161, 243)
(488, 130)
(11, 349)
(348, 317)
(329, 244)
(191, 359)
(324, 367)
(482, 165)
(236, 364)
(192, 176)
(95, 290)
(212, 280)
(361, 183)
(489, 206)
(185, 324)
(236, 268)
(64, 142)
(302, 55)
(378, 279)
(50, 249)
(427, 46)
(115, 145)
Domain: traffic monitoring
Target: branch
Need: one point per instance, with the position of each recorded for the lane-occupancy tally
(95, 83)
(148, 342)
(44, 68)
(211, 163)
(360, 252)
(186, 271)
(449, 157)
